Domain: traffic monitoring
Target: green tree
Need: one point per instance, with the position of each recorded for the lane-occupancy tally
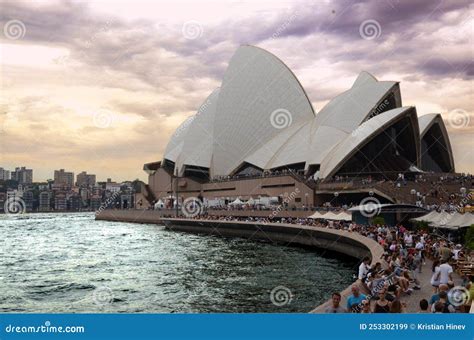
(421, 225)
(470, 238)
(378, 220)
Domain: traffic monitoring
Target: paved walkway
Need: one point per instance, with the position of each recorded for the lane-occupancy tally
(426, 291)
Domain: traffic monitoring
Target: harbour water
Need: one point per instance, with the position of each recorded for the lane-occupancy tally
(70, 263)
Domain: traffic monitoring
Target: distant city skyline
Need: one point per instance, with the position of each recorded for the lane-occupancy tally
(64, 193)
(56, 175)
(100, 86)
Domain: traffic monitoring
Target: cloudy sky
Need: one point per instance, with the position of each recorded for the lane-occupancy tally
(101, 85)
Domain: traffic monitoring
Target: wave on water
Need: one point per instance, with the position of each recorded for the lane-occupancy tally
(71, 263)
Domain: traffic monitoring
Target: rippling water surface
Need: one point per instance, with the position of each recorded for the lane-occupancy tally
(71, 263)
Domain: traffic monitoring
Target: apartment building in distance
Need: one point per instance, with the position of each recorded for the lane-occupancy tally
(85, 180)
(4, 174)
(44, 201)
(22, 175)
(62, 177)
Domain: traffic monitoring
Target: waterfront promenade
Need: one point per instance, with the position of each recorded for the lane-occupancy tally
(345, 242)
(426, 290)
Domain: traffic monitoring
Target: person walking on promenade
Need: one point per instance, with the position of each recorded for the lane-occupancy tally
(435, 275)
(354, 301)
(444, 252)
(335, 307)
(445, 272)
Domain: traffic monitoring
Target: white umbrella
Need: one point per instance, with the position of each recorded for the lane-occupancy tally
(237, 202)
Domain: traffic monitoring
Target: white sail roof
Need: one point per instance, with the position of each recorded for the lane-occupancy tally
(259, 98)
(261, 115)
(175, 144)
(269, 153)
(359, 137)
(349, 109)
(332, 124)
(198, 139)
(426, 121)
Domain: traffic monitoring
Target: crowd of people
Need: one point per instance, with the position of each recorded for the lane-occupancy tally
(446, 192)
(259, 174)
(441, 193)
(382, 285)
(449, 192)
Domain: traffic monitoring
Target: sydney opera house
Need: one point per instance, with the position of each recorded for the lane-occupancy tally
(258, 135)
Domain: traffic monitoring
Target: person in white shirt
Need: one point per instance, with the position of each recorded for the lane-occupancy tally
(364, 269)
(419, 246)
(435, 275)
(445, 272)
(456, 252)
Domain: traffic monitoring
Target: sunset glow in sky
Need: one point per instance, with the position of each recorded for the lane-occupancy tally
(100, 86)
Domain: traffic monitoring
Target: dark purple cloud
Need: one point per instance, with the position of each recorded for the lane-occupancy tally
(135, 44)
(418, 41)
